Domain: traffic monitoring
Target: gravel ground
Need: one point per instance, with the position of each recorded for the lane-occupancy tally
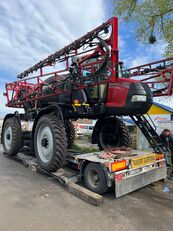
(29, 201)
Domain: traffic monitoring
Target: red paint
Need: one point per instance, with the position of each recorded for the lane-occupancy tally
(119, 177)
(158, 75)
(118, 91)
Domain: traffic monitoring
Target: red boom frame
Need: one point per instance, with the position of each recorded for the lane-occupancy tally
(32, 86)
(158, 75)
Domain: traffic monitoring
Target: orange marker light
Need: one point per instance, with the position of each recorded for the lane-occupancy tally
(159, 156)
(76, 101)
(119, 165)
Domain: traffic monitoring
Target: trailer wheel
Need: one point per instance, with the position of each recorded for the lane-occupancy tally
(70, 133)
(11, 137)
(50, 143)
(95, 178)
(114, 133)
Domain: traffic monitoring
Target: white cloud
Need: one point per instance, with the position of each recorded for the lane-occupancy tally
(139, 61)
(143, 54)
(31, 30)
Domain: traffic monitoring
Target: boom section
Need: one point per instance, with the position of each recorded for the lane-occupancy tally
(88, 61)
(158, 75)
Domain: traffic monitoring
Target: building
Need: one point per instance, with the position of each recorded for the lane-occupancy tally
(159, 115)
(162, 116)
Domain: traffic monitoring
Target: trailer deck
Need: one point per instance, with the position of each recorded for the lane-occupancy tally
(143, 169)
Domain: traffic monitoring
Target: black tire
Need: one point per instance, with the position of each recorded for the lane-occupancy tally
(50, 143)
(113, 133)
(95, 178)
(11, 137)
(70, 133)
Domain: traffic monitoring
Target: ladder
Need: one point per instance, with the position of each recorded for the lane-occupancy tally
(151, 135)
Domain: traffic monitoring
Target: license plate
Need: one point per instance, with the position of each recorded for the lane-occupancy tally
(143, 160)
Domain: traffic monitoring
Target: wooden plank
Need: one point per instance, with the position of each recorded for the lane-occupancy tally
(84, 194)
(66, 178)
(28, 161)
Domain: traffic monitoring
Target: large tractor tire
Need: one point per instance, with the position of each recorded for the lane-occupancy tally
(70, 133)
(112, 134)
(50, 142)
(11, 137)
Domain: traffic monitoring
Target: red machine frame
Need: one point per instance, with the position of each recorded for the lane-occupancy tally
(32, 86)
(158, 75)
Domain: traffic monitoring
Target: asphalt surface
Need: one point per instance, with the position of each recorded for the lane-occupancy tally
(29, 201)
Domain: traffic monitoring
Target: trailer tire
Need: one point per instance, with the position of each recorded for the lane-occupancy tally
(50, 142)
(11, 137)
(70, 133)
(114, 133)
(95, 178)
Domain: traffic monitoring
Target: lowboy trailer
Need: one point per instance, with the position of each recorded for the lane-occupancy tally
(122, 171)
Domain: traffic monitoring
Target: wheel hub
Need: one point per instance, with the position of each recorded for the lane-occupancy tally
(8, 137)
(95, 178)
(45, 143)
(109, 136)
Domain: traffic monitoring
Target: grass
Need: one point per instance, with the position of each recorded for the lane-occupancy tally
(83, 150)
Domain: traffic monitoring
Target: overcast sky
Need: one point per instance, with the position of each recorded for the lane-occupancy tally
(32, 29)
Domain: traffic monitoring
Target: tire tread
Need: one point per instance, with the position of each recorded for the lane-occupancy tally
(17, 137)
(60, 143)
(71, 134)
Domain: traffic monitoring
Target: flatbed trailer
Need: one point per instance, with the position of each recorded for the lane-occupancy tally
(125, 171)
(133, 170)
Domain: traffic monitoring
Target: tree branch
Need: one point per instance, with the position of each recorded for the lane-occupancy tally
(161, 14)
(132, 7)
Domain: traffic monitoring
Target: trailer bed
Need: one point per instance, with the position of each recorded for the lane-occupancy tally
(124, 181)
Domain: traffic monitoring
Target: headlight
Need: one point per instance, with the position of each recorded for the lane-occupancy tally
(139, 98)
